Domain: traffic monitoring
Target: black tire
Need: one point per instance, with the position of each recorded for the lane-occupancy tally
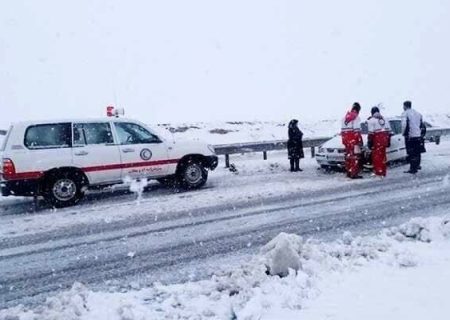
(192, 175)
(63, 189)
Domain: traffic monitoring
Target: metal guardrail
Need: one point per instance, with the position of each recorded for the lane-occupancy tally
(264, 147)
(432, 135)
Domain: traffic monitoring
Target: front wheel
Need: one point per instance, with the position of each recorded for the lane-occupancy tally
(62, 190)
(192, 175)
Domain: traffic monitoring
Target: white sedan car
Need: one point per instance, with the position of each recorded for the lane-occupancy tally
(332, 153)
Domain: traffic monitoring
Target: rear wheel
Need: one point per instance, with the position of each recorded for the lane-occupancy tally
(192, 175)
(63, 189)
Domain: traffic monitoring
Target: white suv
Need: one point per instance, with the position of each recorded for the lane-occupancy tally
(59, 160)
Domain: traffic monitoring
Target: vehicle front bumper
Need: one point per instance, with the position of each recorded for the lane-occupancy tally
(211, 162)
(326, 160)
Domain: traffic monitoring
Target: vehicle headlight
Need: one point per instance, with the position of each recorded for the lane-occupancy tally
(321, 150)
(211, 148)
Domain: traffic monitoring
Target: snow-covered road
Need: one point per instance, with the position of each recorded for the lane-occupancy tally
(111, 240)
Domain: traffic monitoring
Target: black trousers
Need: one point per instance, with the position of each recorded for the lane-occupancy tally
(414, 150)
(295, 164)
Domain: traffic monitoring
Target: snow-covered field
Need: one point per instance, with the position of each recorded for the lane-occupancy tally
(400, 273)
(251, 131)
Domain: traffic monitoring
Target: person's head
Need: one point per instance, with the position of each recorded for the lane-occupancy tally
(293, 123)
(356, 107)
(407, 105)
(375, 110)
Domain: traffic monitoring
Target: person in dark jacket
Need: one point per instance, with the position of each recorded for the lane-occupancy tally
(295, 145)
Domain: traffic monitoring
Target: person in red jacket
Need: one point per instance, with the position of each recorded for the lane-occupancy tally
(378, 140)
(352, 140)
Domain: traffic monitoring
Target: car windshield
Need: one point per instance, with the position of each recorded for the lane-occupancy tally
(364, 128)
(131, 133)
(396, 126)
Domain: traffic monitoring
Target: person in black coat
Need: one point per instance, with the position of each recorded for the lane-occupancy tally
(295, 145)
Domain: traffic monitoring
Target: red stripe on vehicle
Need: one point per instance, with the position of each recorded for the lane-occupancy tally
(130, 165)
(39, 174)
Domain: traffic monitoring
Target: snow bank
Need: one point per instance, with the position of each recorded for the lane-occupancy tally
(285, 281)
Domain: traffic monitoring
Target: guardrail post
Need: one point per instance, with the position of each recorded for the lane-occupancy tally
(227, 161)
(313, 152)
(265, 155)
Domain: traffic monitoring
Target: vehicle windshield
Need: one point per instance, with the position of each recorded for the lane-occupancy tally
(364, 128)
(396, 126)
(131, 133)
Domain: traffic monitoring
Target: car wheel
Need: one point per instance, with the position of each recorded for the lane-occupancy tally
(63, 190)
(192, 175)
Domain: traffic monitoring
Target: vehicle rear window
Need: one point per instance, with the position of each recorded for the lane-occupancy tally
(45, 136)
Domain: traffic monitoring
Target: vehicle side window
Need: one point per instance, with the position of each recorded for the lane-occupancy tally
(396, 127)
(47, 136)
(131, 133)
(92, 133)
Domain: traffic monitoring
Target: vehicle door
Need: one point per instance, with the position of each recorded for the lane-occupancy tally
(95, 152)
(397, 150)
(144, 154)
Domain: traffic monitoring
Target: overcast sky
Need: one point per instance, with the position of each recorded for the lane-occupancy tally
(221, 60)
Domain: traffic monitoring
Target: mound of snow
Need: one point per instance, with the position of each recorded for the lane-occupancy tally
(282, 254)
(250, 292)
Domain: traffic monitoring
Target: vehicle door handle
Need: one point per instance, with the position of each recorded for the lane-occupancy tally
(127, 150)
(81, 153)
